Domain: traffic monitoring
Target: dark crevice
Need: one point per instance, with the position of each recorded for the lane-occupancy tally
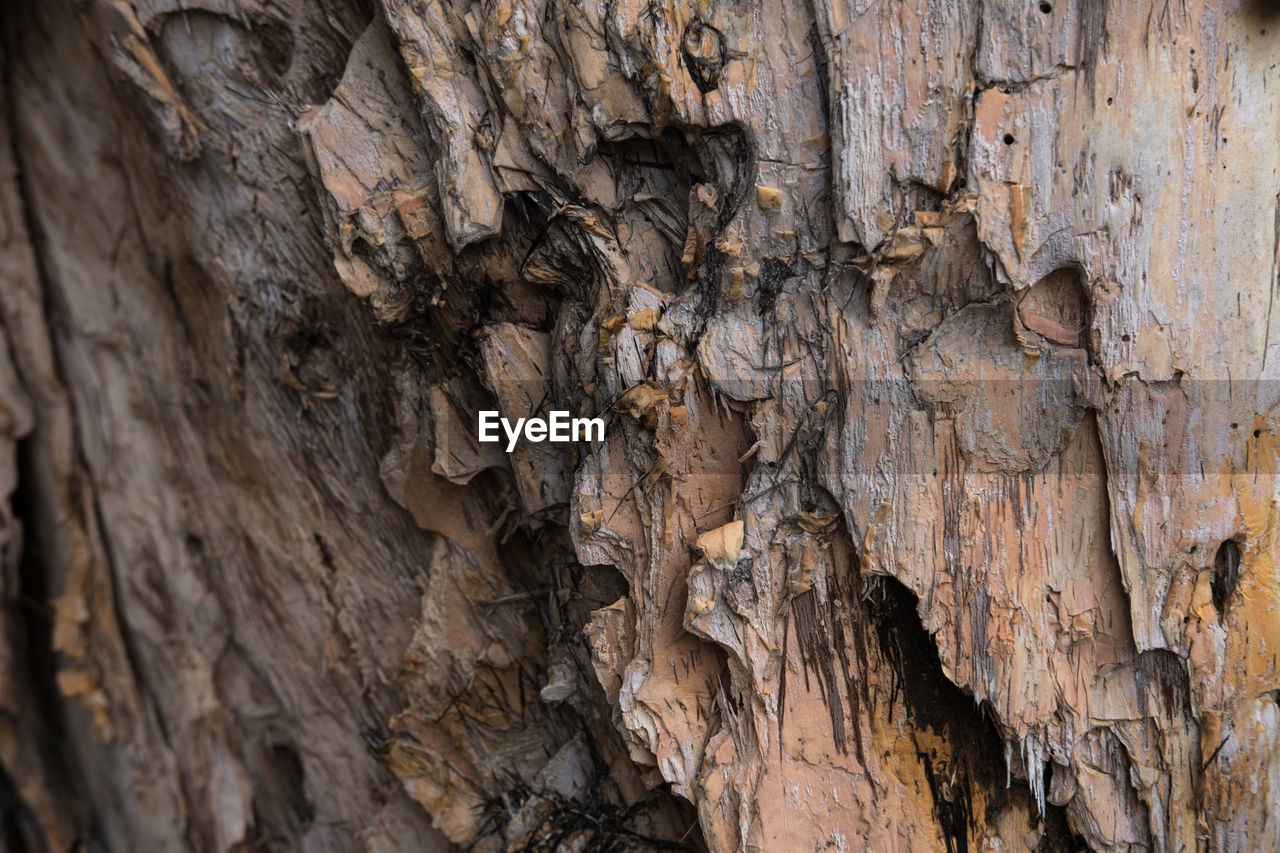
(29, 619)
(282, 809)
(434, 312)
(590, 823)
(29, 616)
(558, 595)
(1226, 574)
(19, 829)
(964, 138)
(972, 755)
(773, 273)
(822, 65)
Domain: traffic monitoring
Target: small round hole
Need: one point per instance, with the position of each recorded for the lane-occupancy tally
(1124, 338)
(1257, 433)
(1046, 8)
(1008, 139)
(1235, 426)
(1110, 101)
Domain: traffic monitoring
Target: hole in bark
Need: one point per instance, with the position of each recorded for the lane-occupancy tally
(1056, 307)
(282, 810)
(1046, 8)
(1226, 571)
(1008, 139)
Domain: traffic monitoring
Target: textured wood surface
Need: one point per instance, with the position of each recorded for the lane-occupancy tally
(938, 505)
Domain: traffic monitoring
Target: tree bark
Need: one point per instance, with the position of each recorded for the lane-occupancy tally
(937, 507)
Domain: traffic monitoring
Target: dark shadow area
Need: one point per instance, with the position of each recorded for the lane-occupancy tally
(973, 757)
(1226, 573)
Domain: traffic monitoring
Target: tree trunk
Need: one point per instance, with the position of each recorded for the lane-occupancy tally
(937, 504)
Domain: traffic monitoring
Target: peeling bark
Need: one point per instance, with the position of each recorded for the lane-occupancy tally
(937, 506)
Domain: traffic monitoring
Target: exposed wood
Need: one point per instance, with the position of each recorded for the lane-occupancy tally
(937, 508)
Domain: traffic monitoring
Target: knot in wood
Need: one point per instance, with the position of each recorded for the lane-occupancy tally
(703, 48)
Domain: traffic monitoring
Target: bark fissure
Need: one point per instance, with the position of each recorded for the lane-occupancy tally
(936, 448)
